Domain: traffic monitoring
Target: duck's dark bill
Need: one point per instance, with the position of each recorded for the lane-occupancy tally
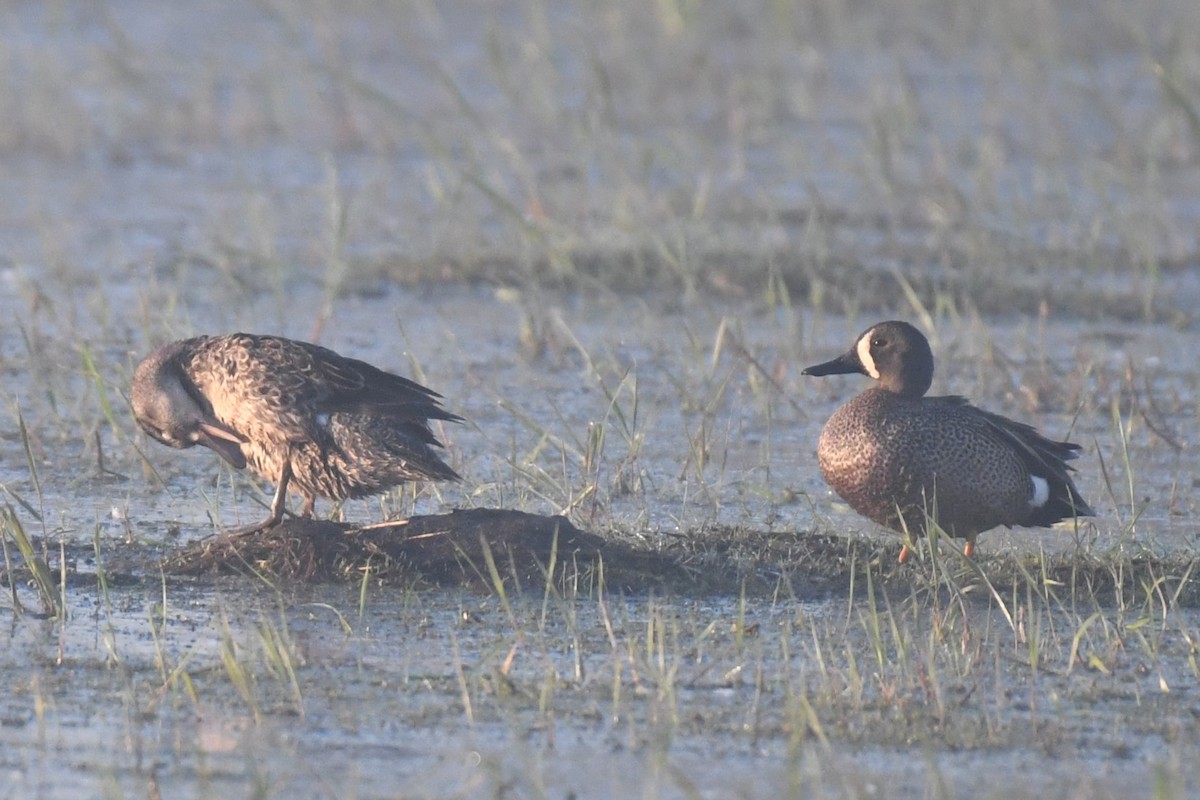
(845, 364)
(222, 442)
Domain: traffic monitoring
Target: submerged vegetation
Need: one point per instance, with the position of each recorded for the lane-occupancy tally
(941, 655)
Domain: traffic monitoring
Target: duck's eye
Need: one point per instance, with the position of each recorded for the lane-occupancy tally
(878, 341)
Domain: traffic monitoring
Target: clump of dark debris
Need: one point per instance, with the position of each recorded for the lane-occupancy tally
(475, 547)
(460, 547)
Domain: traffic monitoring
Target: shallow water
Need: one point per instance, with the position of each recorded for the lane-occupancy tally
(611, 235)
(435, 694)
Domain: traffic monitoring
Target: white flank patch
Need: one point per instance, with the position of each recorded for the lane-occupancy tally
(864, 355)
(323, 420)
(1041, 492)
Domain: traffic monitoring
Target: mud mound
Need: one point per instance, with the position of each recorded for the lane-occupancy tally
(479, 547)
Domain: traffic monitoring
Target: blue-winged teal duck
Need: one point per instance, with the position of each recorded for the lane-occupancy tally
(299, 415)
(900, 458)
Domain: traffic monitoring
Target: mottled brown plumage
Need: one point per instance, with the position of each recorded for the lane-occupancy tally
(300, 415)
(900, 458)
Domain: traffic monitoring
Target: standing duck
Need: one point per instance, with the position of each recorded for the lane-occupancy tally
(299, 415)
(900, 458)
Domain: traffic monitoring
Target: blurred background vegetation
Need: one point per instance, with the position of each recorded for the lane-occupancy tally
(990, 156)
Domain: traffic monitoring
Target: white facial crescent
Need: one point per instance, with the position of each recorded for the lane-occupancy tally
(864, 355)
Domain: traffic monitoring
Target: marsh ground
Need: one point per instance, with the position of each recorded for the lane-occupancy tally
(611, 235)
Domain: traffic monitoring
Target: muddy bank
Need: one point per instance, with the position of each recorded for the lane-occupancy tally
(494, 551)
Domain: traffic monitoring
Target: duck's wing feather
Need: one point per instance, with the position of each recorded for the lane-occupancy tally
(1041, 456)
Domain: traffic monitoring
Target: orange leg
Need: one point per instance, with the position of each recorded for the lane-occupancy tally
(969, 547)
(904, 553)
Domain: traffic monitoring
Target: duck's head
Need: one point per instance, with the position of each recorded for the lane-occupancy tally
(169, 408)
(894, 353)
